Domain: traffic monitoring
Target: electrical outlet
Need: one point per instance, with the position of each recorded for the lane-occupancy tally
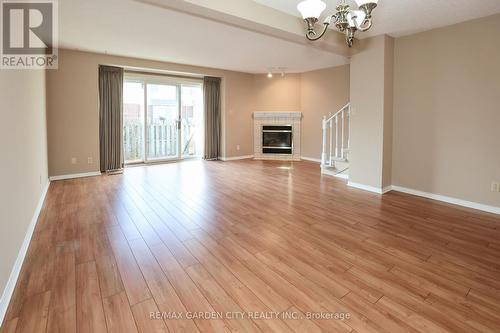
(495, 187)
(90, 160)
(238, 147)
(73, 160)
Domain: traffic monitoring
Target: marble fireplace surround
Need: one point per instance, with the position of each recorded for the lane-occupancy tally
(276, 118)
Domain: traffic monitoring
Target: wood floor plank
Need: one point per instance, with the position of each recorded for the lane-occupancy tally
(300, 323)
(410, 317)
(163, 293)
(34, 314)
(119, 318)
(144, 314)
(9, 326)
(109, 276)
(383, 318)
(42, 262)
(84, 246)
(133, 281)
(194, 301)
(220, 300)
(90, 313)
(62, 313)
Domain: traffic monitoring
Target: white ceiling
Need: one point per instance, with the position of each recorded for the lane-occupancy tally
(403, 17)
(128, 28)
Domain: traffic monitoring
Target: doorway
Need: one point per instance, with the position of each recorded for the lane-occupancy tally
(162, 119)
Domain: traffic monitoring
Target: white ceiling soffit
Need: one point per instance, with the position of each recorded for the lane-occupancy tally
(404, 17)
(252, 16)
(134, 29)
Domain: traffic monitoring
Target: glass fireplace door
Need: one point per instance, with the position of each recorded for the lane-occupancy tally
(277, 140)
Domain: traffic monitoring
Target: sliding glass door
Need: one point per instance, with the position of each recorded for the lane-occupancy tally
(162, 119)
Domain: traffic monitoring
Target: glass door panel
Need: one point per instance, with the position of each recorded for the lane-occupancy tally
(192, 120)
(162, 122)
(133, 121)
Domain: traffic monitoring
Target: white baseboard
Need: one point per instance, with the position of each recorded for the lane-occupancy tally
(236, 158)
(443, 198)
(334, 173)
(76, 175)
(342, 176)
(14, 273)
(373, 189)
(310, 159)
(387, 189)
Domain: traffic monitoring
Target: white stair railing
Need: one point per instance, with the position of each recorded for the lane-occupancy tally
(336, 137)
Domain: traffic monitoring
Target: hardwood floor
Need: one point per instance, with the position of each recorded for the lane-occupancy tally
(257, 246)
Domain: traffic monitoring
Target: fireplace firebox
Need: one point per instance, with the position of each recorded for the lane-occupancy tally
(277, 139)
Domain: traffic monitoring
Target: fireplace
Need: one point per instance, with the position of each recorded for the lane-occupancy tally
(277, 139)
(277, 135)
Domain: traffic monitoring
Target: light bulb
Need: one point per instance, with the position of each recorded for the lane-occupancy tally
(311, 8)
(270, 75)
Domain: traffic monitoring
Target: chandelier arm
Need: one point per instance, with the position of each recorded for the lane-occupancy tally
(365, 25)
(313, 33)
(332, 19)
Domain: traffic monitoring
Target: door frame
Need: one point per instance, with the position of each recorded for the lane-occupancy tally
(160, 79)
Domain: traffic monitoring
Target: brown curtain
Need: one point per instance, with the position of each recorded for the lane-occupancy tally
(110, 117)
(211, 94)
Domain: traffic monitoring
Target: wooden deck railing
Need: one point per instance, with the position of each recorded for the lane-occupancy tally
(162, 140)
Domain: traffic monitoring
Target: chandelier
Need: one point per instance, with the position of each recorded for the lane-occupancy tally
(346, 20)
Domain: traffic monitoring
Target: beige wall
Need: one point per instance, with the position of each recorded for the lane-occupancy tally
(24, 159)
(73, 126)
(370, 112)
(278, 94)
(322, 92)
(447, 111)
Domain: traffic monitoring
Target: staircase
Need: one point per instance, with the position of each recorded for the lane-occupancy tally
(336, 143)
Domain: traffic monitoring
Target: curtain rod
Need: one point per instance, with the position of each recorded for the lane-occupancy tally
(131, 71)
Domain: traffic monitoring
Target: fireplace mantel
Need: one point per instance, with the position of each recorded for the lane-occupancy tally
(264, 118)
(277, 115)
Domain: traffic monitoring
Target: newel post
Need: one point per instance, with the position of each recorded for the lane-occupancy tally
(323, 151)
